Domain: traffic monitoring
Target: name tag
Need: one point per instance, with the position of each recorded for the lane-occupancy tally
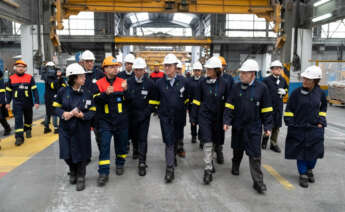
(118, 99)
(21, 86)
(258, 104)
(88, 102)
(144, 92)
(94, 81)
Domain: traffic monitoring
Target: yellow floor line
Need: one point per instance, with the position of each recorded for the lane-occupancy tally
(278, 177)
(12, 156)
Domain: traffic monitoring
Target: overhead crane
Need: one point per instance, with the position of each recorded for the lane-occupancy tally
(267, 9)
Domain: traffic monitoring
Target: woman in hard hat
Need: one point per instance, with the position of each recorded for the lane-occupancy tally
(194, 85)
(208, 107)
(248, 110)
(278, 88)
(75, 107)
(305, 116)
(140, 91)
(128, 72)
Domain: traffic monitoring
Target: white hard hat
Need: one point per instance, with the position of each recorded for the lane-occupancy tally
(276, 63)
(139, 63)
(312, 72)
(213, 62)
(87, 55)
(74, 69)
(179, 64)
(197, 66)
(50, 63)
(170, 59)
(129, 58)
(249, 65)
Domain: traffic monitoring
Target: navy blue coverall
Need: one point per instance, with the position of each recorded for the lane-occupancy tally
(113, 122)
(22, 89)
(193, 86)
(273, 84)
(247, 109)
(172, 100)
(305, 140)
(138, 97)
(74, 134)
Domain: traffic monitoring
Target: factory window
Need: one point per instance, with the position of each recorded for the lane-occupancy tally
(138, 17)
(81, 24)
(333, 30)
(244, 25)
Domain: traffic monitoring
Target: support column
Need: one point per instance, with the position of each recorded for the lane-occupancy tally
(29, 45)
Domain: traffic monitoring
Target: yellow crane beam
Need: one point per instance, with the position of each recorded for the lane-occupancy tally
(185, 41)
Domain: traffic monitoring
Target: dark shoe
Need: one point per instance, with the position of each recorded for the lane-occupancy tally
(43, 122)
(260, 187)
(80, 183)
(102, 180)
(275, 148)
(193, 139)
(135, 155)
(303, 180)
(181, 153)
(56, 131)
(120, 170)
(142, 169)
(46, 130)
(310, 175)
(207, 177)
(220, 156)
(28, 134)
(7, 132)
(264, 142)
(201, 146)
(235, 170)
(169, 175)
(72, 178)
(19, 141)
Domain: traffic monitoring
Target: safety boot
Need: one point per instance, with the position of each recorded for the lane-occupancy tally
(193, 139)
(119, 170)
(208, 177)
(235, 170)
(169, 175)
(201, 146)
(80, 183)
(19, 141)
(46, 130)
(102, 180)
(181, 153)
(303, 180)
(264, 142)
(142, 169)
(56, 130)
(275, 148)
(310, 175)
(219, 153)
(28, 134)
(260, 187)
(72, 177)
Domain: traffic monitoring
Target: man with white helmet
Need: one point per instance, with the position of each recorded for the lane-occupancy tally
(207, 110)
(278, 88)
(87, 59)
(218, 148)
(193, 83)
(75, 107)
(128, 72)
(172, 94)
(305, 116)
(140, 92)
(248, 109)
(179, 68)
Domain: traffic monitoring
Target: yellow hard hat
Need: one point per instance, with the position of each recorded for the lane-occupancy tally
(21, 62)
(222, 59)
(110, 61)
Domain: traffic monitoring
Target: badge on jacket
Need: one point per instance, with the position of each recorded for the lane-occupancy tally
(94, 80)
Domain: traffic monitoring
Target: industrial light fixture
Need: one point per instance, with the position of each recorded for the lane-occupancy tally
(321, 17)
(321, 2)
